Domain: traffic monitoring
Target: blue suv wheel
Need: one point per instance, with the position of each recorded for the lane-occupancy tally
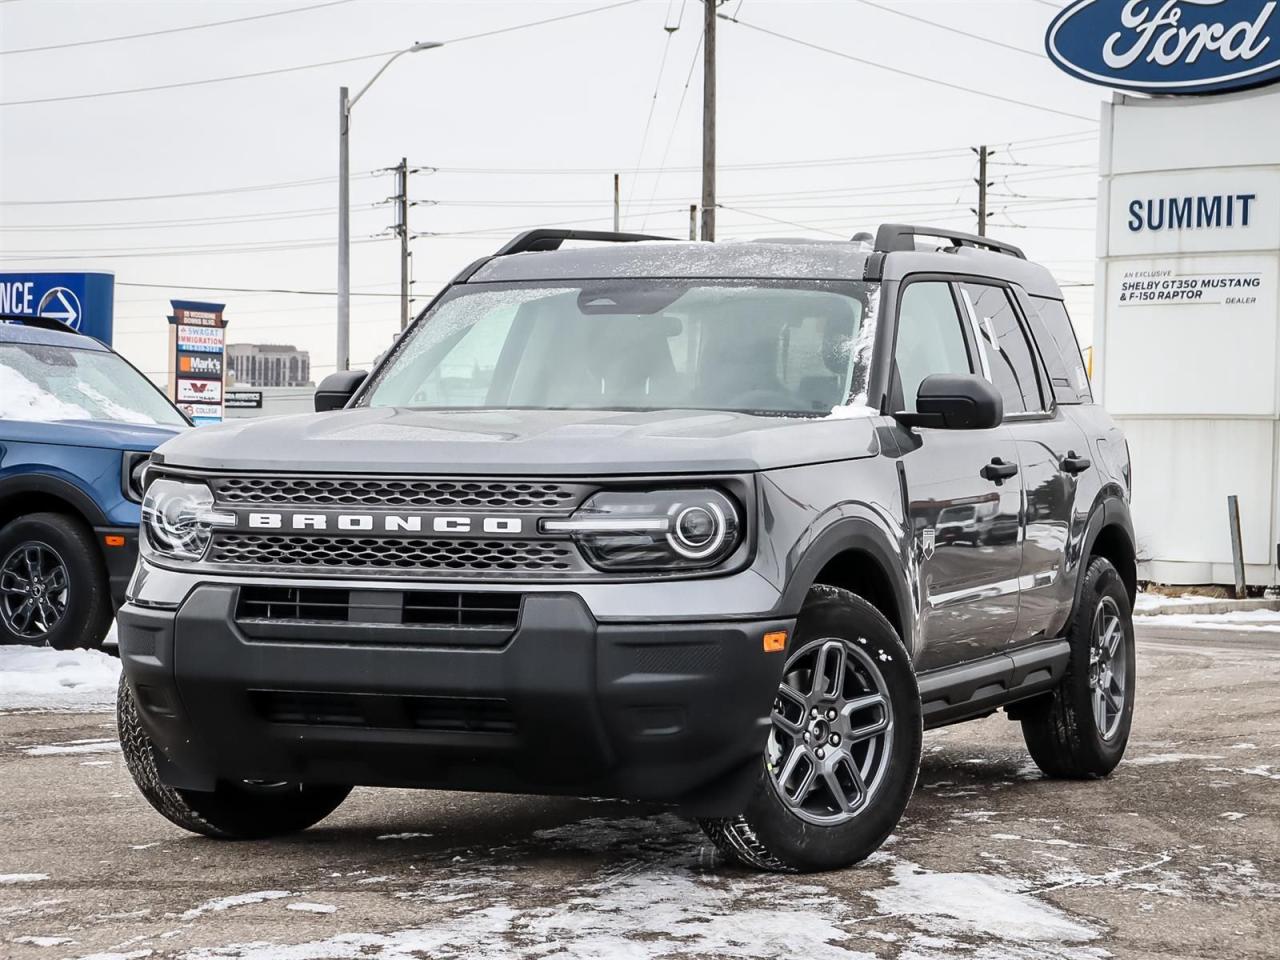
(53, 586)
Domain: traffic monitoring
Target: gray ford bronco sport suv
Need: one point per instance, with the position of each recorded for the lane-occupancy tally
(719, 526)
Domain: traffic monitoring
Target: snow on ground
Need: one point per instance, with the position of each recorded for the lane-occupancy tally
(1266, 621)
(45, 679)
(1154, 601)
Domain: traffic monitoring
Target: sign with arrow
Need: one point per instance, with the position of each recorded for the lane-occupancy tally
(85, 302)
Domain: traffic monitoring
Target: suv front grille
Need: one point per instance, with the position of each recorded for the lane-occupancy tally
(447, 608)
(391, 492)
(393, 555)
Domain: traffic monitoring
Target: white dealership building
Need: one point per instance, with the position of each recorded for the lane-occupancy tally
(1187, 329)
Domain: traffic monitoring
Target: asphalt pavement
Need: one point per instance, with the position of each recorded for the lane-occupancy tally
(1177, 855)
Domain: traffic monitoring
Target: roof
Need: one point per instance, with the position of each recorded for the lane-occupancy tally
(21, 333)
(755, 260)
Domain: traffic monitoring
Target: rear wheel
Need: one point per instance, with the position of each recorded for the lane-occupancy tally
(1081, 729)
(234, 810)
(53, 585)
(842, 755)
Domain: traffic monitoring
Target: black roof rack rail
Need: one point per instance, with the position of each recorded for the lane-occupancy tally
(894, 237)
(40, 323)
(542, 240)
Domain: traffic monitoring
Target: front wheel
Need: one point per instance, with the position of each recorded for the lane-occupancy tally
(53, 585)
(234, 810)
(844, 749)
(1080, 730)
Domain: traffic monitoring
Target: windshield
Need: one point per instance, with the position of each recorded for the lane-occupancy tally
(39, 382)
(760, 347)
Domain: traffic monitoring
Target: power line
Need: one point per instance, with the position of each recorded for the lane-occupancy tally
(116, 253)
(158, 33)
(950, 29)
(905, 73)
(295, 292)
(653, 104)
(264, 217)
(253, 188)
(675, 125)
(303, 66)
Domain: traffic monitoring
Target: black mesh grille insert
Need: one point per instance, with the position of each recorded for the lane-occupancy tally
(384, 711)
(390, 492)
(392, 554)
(415, 608)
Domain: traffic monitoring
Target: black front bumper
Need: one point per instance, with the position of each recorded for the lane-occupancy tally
(664, 712)
(119, 560)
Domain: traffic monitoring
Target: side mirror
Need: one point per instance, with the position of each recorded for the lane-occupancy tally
(955, 402)
(337, 389)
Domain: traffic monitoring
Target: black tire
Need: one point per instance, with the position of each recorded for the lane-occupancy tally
(771, 834)
(1061, 731)
(233, 811)
(84, 606)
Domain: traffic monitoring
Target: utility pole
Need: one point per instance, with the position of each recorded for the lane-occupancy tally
(617, 204)
(343, 360)
(709, 120)
(693, 221)
(402, 228)
(983, 154)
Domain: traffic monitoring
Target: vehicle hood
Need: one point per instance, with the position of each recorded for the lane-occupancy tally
(104, 434)
(521, 442)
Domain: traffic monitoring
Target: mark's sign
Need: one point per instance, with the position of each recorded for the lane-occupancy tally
(1169, 46)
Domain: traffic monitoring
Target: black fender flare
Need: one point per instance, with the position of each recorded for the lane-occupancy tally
(1109, 511)
(842, 536)
(53, 486)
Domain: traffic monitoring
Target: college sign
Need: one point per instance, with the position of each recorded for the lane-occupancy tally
(1169, 46)
(197, 338)
(83, 301)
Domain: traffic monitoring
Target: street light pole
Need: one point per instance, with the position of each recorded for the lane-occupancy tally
(345, 105)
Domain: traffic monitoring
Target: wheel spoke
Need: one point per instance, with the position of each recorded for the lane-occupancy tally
(858, 704)
(56, 580)
(836, 789)
(1100, 710)
(873, 729)
(850, 768)
(828, 670)
(790, 700)
(22, 616)
(1111, 640)
(794, 758)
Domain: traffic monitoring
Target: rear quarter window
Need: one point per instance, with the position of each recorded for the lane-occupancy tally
(1061, 351)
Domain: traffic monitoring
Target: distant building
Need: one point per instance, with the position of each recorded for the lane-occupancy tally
(268, 365)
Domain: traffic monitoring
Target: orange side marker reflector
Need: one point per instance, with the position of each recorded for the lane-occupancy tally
(113, 540)
(775, 642)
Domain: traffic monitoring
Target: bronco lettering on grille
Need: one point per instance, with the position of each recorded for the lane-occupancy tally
(383, 523)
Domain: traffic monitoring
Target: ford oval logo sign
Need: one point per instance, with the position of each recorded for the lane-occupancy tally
(1169, 46)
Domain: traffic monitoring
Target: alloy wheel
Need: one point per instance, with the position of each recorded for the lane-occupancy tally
(832, 732)
(1107, 667)
(34, 587)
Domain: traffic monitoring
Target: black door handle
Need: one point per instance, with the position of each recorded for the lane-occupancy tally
(998, 471)
(1073, 464)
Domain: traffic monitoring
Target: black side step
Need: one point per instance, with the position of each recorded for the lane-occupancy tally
(952, 694)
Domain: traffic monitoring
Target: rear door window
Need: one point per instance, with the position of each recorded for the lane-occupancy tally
(1061, 351)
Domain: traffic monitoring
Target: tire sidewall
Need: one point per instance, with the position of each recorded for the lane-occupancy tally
(1102, 580)
(801, 845)
(84, 621)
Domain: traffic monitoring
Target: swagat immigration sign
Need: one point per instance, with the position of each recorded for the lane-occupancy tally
(1169, 46)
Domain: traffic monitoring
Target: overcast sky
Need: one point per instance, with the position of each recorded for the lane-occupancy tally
(523, 128)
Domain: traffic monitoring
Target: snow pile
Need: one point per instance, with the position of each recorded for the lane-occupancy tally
(975, 904)
(1263, 621)
(46, 679)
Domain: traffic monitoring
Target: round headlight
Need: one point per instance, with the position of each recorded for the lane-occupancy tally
(698, 530)
(178, 517)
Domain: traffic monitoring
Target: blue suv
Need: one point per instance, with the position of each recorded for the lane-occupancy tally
(77, 426)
